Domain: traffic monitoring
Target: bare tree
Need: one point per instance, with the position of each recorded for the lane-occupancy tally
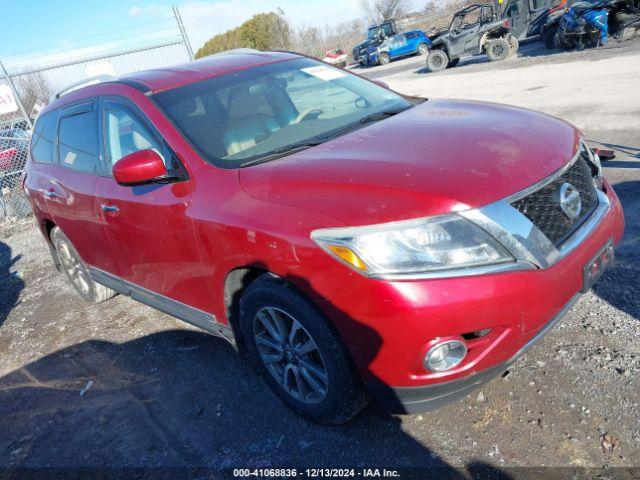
(315, 42)
(377, 11)
(33, 88)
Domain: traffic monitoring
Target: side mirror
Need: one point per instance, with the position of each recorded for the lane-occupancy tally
(381, 83)
(139, 168)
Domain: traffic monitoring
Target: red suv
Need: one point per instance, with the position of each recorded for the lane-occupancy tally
(355, 241)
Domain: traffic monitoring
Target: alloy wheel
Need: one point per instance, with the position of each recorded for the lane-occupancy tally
(290, 355)
(74, 267)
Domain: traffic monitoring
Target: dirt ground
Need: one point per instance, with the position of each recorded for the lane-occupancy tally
(122, 385)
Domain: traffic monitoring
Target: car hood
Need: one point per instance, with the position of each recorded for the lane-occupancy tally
(436, 158)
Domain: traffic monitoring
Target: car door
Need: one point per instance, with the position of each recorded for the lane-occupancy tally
(402, 45)
(38, 179)
(148, 226)
(465, 35)
(72, 182)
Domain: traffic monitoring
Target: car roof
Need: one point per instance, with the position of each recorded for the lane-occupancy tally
(166, 78)
(212, 66)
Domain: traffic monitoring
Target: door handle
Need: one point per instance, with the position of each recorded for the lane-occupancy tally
(109, 208)
(51, 194)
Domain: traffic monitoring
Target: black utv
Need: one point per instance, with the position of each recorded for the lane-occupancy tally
(474, 30)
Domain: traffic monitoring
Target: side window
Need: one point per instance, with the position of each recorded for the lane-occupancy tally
(471, 18)
(78, 141)
(487, 14)
(125, 134)
(43, 136)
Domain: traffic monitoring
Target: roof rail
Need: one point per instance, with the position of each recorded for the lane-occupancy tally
(83, 83)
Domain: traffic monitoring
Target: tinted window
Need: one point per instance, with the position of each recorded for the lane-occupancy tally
(43, 136)
(126, 134)
(78, 141)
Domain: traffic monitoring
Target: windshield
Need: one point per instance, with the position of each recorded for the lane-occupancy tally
(270, 110)
(373, 32)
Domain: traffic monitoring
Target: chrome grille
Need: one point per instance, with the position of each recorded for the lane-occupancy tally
(542, 207)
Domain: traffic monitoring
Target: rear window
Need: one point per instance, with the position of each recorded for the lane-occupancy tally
(43, 136)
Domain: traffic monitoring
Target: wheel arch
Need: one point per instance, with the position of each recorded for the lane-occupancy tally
(47, 225)
(491, 35)
(235, 283)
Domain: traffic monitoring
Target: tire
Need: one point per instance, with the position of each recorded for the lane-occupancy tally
(498, 49)
(514, 45)
(423, 49)
(453, 63)
(549, 37)
(383, 58)
(338, 394)
(77, 271)
(437, 60)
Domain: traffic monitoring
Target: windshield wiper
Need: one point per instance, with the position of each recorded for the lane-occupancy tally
(374, 117)
(296, 147)
(281, 151)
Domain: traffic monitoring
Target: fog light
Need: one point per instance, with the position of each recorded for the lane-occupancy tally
(445, 355)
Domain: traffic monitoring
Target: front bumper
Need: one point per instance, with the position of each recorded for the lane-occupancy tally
(431, 397)
(387, 324)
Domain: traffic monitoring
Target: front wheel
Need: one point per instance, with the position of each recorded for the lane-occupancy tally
(76, 270)
(298, 353)
(437, 60)
(498, 49)
(384, 58)
(423, 49)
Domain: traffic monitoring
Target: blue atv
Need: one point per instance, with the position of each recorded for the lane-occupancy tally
(593, 22)
(399, 45)
(585, 24)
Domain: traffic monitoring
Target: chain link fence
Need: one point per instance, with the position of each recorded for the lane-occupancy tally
(28, 84)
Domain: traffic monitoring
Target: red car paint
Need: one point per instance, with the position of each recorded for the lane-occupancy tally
(183, 239)
(8, 158)
(139, 167)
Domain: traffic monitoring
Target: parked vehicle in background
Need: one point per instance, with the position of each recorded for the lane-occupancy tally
(376, 34)
(551, 24)
(14, 144)
(590, 23)
(353, 241)
(584, 24)
(337, 57)
(403, 44)
(527, 18)
(474, 30)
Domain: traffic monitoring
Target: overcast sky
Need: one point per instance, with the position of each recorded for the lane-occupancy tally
(60, 29)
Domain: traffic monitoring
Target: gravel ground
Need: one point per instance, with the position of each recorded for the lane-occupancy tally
(122, 385)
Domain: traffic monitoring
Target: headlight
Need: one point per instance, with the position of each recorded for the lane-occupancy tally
(409, 248)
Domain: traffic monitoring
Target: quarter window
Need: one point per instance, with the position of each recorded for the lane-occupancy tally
(126, 134)
(43, 135)
(78, 141)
